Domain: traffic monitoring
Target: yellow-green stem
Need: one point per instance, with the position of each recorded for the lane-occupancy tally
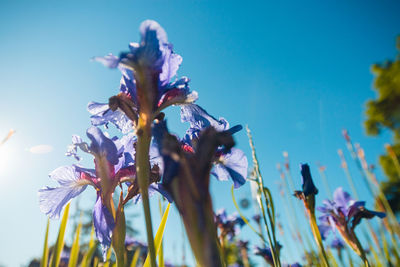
(143, 173)
(273, 244)
(360, 250)
(394, 158)
(318, 239)
(45, 255)
(161, 251)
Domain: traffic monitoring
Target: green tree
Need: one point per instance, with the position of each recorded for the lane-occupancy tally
(384, 113)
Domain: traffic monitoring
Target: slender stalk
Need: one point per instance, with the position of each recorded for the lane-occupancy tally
(349, 257)
(161, 252)
(354, 191)
(45, 255)
(371, 183)
(394, 158)
(292, 215)
(143, 172)
(272, 243)
(290, 184)
(326, 184)
(318, 239)
(222, 242)
(350, 148)
(360, 250)
(245, 257)
(347, 173)
(119, 233)
(294, 232)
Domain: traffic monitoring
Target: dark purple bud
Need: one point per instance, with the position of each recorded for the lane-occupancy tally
(308, 184)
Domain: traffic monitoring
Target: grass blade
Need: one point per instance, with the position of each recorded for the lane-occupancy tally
(244, 218)
(87, 258)
(270, 203)
(55, 258)
(159, 235)
(73, 259)
(45, 255)
(135, 258)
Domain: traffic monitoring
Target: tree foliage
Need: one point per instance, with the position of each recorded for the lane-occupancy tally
(384, 113)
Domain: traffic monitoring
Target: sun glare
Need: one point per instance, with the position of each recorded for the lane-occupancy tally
(7, 157)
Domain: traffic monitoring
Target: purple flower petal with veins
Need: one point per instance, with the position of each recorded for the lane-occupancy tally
(155, 59)
(101, 145)
(102, 115)
(72, 182)
(103, 225)
(232, 164)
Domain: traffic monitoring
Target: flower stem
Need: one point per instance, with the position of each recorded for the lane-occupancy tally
(272, 241)
(119, 233)
(360, 249)
(318, 239)
(143, 172)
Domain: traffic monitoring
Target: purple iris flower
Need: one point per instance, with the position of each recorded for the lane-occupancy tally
(266, 253)
(186, 176)
(133, 244)
(242, 244)
(257, 218)
(228, 163)
(344, 214)
(114, 164)
(148, 80)
(344, 211)
(293, 265)
(229, 225)
(337, 243)
(103, 115)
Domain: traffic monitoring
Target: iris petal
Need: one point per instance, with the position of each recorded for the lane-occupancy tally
(52, 200)
(101, 145)
(102, 115)
(103, 225)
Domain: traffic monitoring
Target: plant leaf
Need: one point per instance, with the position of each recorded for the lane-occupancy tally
(55, 258)
(135, 257)
(90, 252)
(242, 216)
(159, 235)
(270, 203)
(45, 255)
(73, 259)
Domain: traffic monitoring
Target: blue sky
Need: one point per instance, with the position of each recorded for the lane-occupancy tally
(297, 72)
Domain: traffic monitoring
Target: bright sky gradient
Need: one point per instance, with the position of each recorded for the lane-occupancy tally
(297, 72)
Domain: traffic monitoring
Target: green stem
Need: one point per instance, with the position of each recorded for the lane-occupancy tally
(394, 158)
(149, 228)
(119, 233)
(143, 173)
(276, 246)
(45, 255)
(325, 180)
(295, 206)
(272, 243)
(318, 239)
(161, 251)
(261, 188)
(360, 250)
(349, 257)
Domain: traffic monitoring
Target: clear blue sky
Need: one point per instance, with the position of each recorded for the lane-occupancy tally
(297, 72)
